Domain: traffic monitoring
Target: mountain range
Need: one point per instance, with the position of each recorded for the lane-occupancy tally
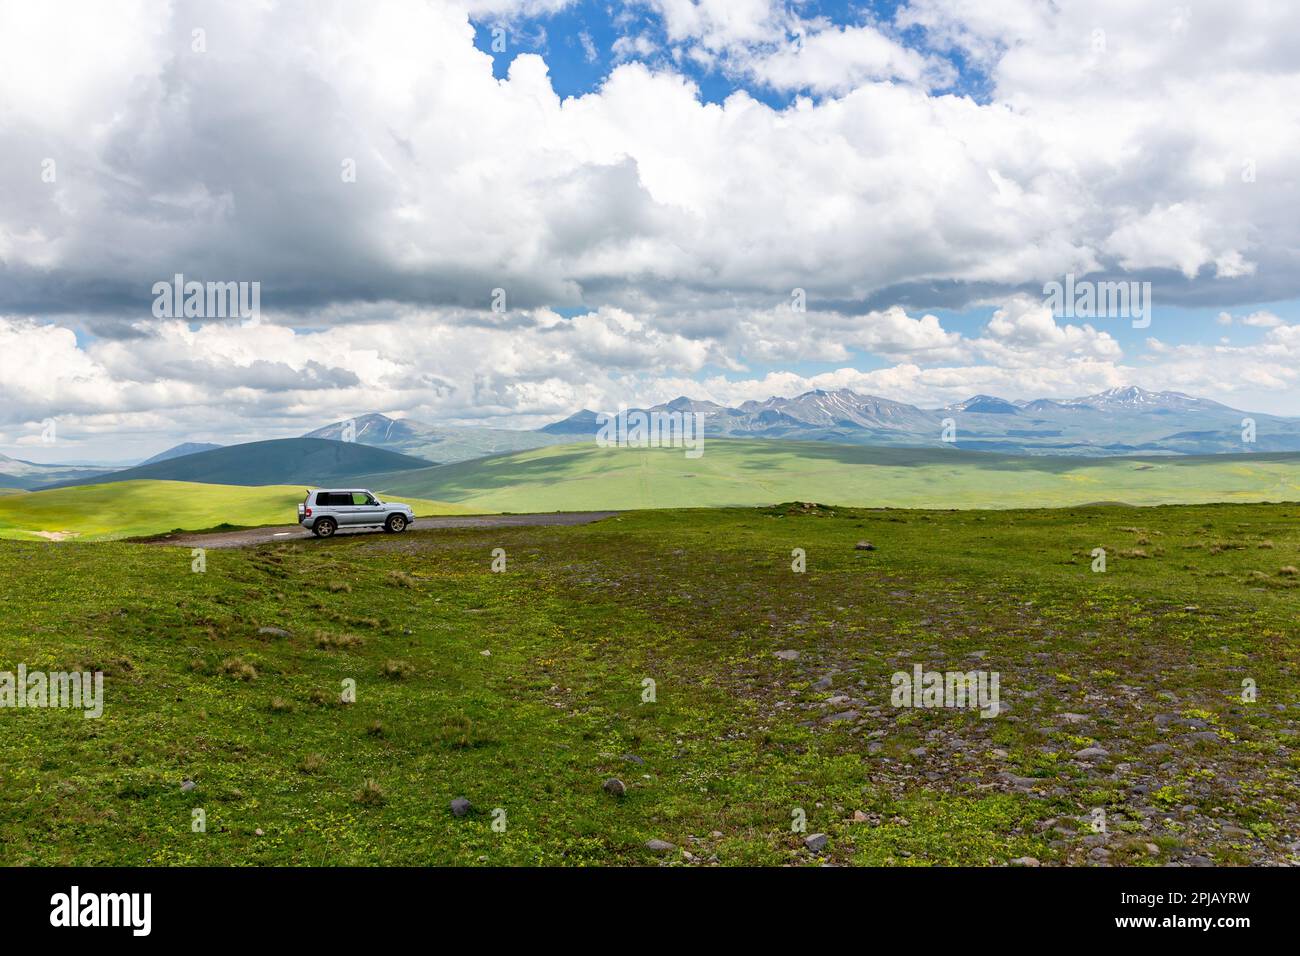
(1116, 422)
(26, 475)
(435, 443)
(1119, 421)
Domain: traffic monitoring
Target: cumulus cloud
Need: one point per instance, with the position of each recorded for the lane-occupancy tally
(366, 166)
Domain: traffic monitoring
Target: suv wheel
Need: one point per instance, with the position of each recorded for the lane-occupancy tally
(325, 527)
(395, 523)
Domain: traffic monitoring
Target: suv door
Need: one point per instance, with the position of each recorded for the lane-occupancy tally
(366, 509)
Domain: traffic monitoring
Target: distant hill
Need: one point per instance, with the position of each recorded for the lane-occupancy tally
(16, 473)
(747, 472)
(579, 423)
(284, 461)
(180, 451)
(1119, 421)
(438, 443)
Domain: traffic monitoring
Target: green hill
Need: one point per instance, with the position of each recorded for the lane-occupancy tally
(284, 461)
(739, 472)
(129, 508)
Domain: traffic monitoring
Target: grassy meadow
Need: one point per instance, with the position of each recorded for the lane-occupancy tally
(733, 472)
(131, 508)
(525, 691)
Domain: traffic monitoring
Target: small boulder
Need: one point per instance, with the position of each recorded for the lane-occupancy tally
(816, 842)
(615, 787)
(460, 806)
(1025, 861)
(864, 546)
(659, 846)
(274, 632)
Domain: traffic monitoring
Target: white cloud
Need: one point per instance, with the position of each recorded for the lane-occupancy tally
(676, 228)
(840, 59)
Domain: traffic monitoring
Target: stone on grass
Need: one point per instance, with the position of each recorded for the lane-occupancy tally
(460, 806)
(816, 842)
(1091, 753)
(1025, 861)
(864, 546)
(274, 632)
(187, 785)
(615, 787)
(787, 655)
(659, 846)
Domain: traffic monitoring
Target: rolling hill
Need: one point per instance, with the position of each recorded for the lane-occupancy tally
(284, 461)
(180, 451)
(129, 508)
(738, 472)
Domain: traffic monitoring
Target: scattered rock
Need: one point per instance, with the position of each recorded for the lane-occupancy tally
(615, 787)
(633, 758)
(659, 846)
(1091, 753)
(816, 842)
(274, 632)
(1025, 861)
(864, 546)
(824, 684)
(258, 832)
(787, 655)
(860, 817)
(460, 806)
(1070, 718)
(1021, 782)
(187, 785)
(836, 718)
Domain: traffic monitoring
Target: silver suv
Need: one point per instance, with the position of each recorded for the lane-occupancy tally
(325, 511)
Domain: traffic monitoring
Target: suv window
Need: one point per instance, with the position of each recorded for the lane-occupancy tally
(361, 498)
(327, 499)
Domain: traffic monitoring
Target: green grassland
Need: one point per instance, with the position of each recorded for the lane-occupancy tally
(524, 691)
(130, 508)
(735, 472)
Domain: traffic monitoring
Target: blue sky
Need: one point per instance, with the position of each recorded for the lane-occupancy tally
(578, 44)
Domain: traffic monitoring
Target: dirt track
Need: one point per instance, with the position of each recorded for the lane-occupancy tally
(293, 532)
